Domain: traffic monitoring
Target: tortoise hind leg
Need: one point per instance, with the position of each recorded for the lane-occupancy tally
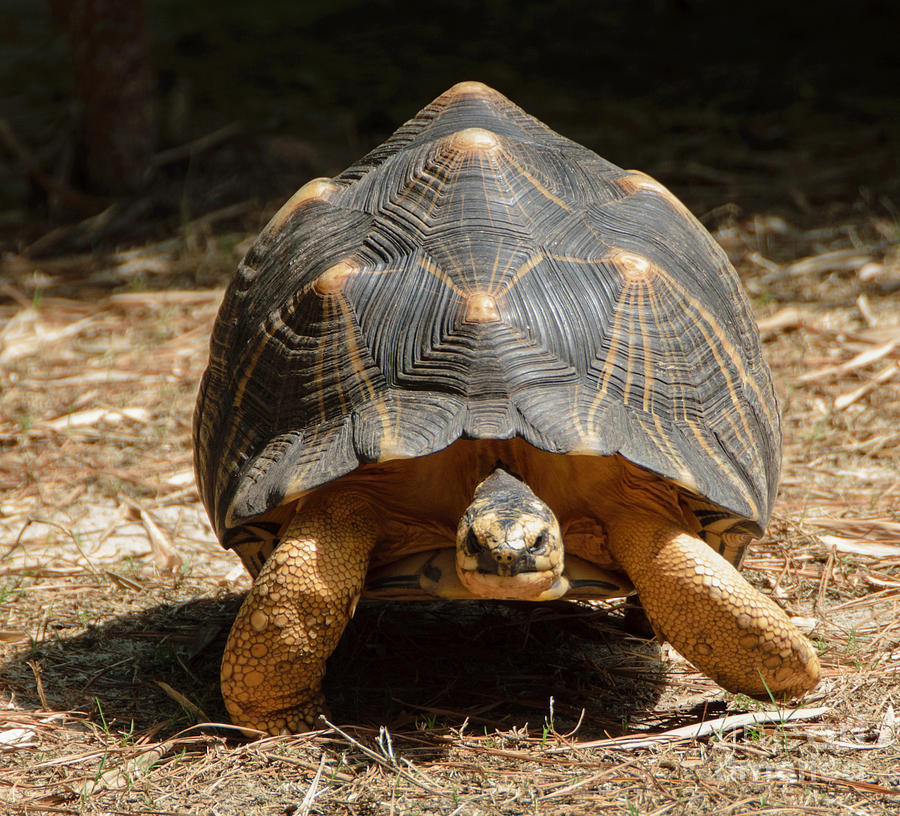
(702, 605)
(294, 615)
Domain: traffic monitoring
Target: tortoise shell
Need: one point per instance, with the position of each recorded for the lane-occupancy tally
(479, 276)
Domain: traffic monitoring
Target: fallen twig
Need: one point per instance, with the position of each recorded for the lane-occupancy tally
(703, 729)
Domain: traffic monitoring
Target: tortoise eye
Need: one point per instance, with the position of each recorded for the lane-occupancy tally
(473, 545)
(538, 544)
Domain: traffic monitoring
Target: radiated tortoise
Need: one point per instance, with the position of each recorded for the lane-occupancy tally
(483, 362)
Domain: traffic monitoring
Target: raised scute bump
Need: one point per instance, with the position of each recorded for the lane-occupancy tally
(481, 308)
(317, 189)
(634, 181)
(635, 268)
(475, 140)
(332, 280)
(471, 88)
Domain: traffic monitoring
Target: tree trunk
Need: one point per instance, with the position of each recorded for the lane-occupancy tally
(115, 84)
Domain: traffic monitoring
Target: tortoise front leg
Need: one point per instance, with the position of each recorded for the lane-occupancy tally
(704, 607)
(294, 615)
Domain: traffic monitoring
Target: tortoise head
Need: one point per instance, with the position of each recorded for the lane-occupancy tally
(508, 543)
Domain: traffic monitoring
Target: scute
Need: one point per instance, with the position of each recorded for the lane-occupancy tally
(480, 276)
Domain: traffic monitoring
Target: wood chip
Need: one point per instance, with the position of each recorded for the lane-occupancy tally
(166, 297)
(180, 479)
(719, 725)
(865, 309)
(94, 416)
(880, 528)
(26, 334)
(839, 260)
(124, 775)
(842, 401)
(871, 271)
(760, 260)
(861, 360)
(856, 547)
(167, 559)
(887, 730)
(787, 318)
(13, 739)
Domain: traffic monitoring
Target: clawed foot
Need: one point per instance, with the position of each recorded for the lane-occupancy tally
(304, 716)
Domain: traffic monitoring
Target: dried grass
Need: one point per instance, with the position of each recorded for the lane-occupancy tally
(115, 598)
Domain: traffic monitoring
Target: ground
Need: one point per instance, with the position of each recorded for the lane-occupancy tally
(115, 598)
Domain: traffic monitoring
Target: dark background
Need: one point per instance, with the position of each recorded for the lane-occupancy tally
(789, 107)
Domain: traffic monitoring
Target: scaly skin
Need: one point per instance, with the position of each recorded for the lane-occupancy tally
(294, 615)
(701, 604)
(306, 592)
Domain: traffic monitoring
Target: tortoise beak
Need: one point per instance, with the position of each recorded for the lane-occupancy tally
(510, 550)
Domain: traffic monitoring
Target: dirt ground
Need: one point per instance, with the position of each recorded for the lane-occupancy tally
(115, 599)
